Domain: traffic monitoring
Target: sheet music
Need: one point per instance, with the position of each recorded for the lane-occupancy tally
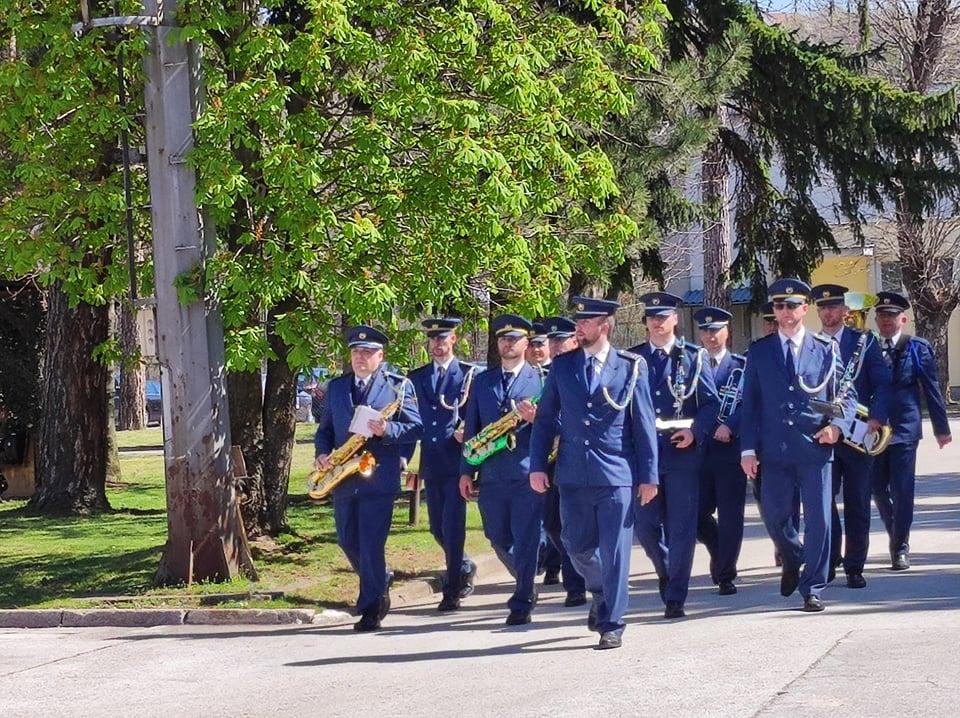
(361, 415)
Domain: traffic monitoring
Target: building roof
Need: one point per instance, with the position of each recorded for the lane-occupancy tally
(738, 295)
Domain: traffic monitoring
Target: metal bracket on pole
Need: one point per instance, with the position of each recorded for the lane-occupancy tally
(81, 28)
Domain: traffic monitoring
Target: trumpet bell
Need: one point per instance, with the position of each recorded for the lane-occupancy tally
(366, 464)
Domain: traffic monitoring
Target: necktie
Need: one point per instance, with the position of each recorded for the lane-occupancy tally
(593, 373)
(888, 351)
(358, 391)
(714, 362)
(791, 367)
(438, 378)
(505, 382)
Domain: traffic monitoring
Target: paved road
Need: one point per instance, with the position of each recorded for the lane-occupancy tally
(888, 650)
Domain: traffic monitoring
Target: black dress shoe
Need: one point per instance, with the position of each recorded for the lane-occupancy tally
(385, 598)
(727, 588)
(551, 577)
(789, 580)
(449, 603)
(662, 582)
(610, 639)
(856, 580)
(467, 579)
(518, 618)
(831, 573)
(812, 604)
(777, 561)
(575, 598)
(901, 562)
(368, 622)
(674, 610)
(592, 619)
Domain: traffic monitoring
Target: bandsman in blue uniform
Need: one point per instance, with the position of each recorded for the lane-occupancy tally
(770, 326)
(561, 338)
(723, 486)
(597, 401)
(793, 438)
(914, 371)
(443, 387)
(363, 508)
(852, 469)
(686, 404)
(511, 511)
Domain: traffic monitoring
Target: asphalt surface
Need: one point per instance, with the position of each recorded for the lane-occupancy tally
(890, 649)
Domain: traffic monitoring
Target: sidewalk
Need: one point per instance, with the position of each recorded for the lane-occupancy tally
(886, 650)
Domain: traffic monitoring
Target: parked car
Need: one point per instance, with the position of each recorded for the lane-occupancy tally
(154, 402)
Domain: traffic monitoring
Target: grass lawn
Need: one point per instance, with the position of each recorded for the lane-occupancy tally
(49, 562)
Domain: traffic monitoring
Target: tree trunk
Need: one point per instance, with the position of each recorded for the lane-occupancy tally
(245, 396)
(113, 450)
(715, 196)
(72, 460)
(279, 425)
(133, 396)
(933, 294)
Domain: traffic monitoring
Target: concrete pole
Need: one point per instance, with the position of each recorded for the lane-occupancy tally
(205, 537)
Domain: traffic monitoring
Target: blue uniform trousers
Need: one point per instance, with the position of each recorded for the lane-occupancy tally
(780, 484)
(513, 520)
(723, 488)
(852, 472)
(363, 523)
(448, 524)
(757, 492)
(597, 525)
(666, 528)
(894, 476)
(556, 555)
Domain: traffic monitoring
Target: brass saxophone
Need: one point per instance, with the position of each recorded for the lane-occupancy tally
(345, 462)
(494, 437)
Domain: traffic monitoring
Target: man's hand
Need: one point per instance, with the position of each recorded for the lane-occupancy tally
(458, 434)
(944, 439)
(828, 435)
(647, 493)
(749, 464)
(874, 425)
(527, 410)
(403, 463)
(539, 481)
(378, 426)
(723, 434)
(323, 462)
(467, 490)
(682, 439)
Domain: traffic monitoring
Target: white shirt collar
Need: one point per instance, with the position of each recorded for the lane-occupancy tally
(668, 347)
(797, 338)
(600, 356)
(445, 365)
(515, 371)
(893, 340)
(720, 356)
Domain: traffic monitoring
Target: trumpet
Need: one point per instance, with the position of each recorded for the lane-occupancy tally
(730, 395)
(494, 437)
(345, 461)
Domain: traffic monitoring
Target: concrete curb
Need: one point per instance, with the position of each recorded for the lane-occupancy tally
(405, 593)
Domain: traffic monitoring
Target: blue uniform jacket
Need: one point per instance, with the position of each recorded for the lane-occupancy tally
(403, 429)
(439, 451)
(914, 369)
(721, 374)
(873, 384)
(599, 445)
(702, 406)
(486, 404)
(779, 411)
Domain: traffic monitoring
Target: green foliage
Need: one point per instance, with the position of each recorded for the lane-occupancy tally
(374, 161)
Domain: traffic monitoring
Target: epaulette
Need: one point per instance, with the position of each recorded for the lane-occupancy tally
(466, 366)
(738, 357)
(822, 338)
(920, 340)
(628, 355)
(691, 347)
(399, 378)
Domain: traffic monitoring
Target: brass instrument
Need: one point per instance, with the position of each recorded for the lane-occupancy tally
(862, 439)
(680, 391)
(345, 462)
(494, 437)
(730, 395)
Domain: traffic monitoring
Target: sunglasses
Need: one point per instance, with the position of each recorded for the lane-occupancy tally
(785, 305)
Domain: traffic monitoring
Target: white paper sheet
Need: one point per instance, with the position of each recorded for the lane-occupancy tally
(361, 415)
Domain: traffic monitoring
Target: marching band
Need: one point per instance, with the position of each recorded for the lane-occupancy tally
(574, 448)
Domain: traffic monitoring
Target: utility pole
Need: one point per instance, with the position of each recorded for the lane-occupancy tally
(205, 535)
